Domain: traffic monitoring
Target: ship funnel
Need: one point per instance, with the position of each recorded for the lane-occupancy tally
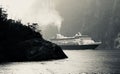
(78, 34)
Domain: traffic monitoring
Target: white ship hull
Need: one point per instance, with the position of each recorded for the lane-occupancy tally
(76, 42)
(79, 47)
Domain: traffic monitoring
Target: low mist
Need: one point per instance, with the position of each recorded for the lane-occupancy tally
(42, 12)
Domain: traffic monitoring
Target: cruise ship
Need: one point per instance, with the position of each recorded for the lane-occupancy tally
(78, 41)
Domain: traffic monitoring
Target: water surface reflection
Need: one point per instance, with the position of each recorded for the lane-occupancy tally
(79, 61)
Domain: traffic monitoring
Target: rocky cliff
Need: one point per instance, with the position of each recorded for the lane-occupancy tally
(21, 43)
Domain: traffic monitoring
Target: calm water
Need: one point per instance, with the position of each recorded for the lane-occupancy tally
(79, 62)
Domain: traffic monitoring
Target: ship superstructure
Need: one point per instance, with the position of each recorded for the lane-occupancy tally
(78, 41)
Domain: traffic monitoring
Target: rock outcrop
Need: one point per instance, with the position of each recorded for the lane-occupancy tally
(21, 43)
(33, 50)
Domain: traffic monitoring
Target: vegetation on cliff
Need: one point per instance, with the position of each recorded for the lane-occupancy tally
(19, 42)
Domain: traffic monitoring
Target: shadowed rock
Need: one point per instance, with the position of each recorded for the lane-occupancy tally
(21, 43)
(33, 50)
(37, 49)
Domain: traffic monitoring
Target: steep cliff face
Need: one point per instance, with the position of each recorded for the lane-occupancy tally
(21, 43)
(99, 19)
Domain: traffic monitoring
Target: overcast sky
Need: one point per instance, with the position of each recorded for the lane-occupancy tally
(41, 11)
